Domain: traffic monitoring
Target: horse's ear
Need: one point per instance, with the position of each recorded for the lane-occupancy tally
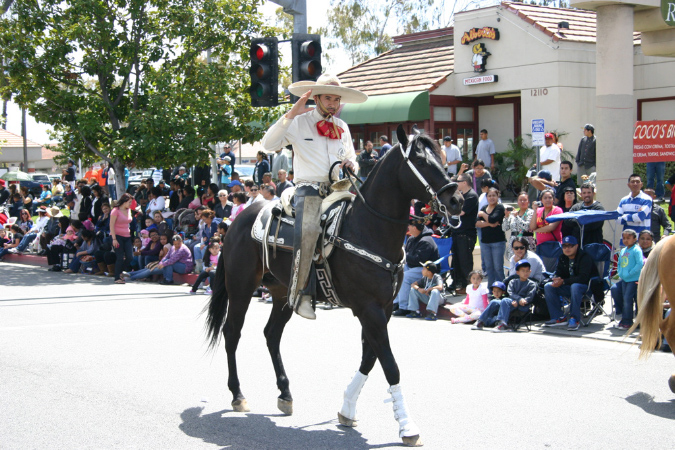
(402, 137)
(415, 130)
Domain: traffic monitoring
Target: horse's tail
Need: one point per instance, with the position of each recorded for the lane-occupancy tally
(650, 305)
(217, 308)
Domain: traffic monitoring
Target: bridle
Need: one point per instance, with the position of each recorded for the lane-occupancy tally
(434, 202)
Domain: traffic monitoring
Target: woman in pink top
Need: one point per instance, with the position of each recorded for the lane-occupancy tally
(120, 218)
(475, 303)
(538, 223)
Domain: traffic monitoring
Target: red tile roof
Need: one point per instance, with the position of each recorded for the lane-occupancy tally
(417, 66)
(582, 23)
(8, 139)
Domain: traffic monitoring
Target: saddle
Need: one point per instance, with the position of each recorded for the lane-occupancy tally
(275, 222)
(274, 228)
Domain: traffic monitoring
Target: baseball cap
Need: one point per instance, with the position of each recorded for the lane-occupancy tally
(547, 175)
(447, 138)
(569, 189)
(570, 240)
(548, 136)
(500, 285)
(227, 158)
(522, 263)
(430, 266)
(589, 127)
(234, 183)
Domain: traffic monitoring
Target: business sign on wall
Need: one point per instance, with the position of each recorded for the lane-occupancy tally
(480, 80)
(654, 141)
(479, 53)
(668, 11)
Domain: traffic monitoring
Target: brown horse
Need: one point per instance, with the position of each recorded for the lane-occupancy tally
(656, 273)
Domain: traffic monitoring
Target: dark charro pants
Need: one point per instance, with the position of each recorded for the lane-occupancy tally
(306, 233)
(462, 258)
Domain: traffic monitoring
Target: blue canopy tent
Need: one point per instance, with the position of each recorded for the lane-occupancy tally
(585, 217)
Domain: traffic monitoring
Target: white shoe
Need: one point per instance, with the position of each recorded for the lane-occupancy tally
(305, 308)
(208, 291)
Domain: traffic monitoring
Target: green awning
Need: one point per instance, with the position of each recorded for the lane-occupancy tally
(404, 107)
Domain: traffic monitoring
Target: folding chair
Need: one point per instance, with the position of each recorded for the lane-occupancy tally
(549, 252)
(519, 317)
(598, 287)
(444, 250)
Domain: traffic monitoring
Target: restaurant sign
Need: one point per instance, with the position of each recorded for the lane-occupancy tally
(668, 11)
(480, 80)
(481, 33)
(654, 141)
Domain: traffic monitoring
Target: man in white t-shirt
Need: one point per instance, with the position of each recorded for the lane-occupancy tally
(452, 155)
(549, 155)
(485, 150)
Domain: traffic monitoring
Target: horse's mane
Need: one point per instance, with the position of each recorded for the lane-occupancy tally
(426, 141)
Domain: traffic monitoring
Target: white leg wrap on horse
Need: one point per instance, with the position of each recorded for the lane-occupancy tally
(406, 427)
(352, 395)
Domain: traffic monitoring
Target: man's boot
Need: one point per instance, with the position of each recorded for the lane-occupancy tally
(111, 270)
(306, 234)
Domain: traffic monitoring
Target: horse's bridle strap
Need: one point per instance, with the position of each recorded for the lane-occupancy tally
(363, 253)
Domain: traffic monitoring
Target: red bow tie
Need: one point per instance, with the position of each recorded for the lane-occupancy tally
(329, 129)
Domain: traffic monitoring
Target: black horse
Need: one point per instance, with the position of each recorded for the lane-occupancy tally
(377, 222)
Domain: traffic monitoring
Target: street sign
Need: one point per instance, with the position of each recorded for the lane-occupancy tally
(538, 130)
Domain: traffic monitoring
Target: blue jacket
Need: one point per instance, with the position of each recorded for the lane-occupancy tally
(630, 263)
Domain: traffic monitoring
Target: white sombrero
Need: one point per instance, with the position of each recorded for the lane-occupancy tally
(328, 84)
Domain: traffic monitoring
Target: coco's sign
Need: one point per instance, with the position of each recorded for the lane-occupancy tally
(481, 33)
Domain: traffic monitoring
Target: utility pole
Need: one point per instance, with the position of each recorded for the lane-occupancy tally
(298, 9)
(25, 140)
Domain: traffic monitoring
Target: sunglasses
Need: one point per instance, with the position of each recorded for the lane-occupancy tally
(519, 248)
(254, 190)
(221, 195)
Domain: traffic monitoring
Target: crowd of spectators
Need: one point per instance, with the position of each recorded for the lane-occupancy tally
(148, 233)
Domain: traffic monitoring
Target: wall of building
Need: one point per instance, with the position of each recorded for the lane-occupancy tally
(498, 120)
(663, 110)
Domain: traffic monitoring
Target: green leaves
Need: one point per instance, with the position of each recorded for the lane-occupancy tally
(128, 79)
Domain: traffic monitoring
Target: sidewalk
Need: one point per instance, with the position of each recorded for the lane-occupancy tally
(41, 261)
(601, 328)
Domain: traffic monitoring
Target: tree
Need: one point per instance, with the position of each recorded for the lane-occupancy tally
(127, 80)
(361, 27)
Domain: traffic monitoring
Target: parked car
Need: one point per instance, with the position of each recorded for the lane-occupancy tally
(35, 184)
(54, 177)
(245, 171)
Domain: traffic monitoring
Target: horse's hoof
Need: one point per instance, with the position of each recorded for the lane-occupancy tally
(241, 405)
(412, 441)
(285, 406)
(347, 422)
(671, 383)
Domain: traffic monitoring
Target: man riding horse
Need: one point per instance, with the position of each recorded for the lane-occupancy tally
(319, 139)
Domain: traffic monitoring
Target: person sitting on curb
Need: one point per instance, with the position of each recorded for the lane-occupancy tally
(521, 292)
(210, 266)
(574, 271)
(475, 303)
(419, 247)
(490, 320)
(431, 294)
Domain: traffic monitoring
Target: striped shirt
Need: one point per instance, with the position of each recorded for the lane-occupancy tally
(635, 212)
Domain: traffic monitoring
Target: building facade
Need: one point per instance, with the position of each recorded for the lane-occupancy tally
(499, 68)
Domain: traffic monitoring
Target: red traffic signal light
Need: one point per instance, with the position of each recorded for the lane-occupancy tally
(264, 72)
(306, 57)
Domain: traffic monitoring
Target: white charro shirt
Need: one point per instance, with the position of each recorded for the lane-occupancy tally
(313, 154)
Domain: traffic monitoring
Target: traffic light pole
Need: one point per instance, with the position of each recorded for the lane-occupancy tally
(298, 9)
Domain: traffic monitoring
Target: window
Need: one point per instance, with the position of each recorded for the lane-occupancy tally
(442, 114)
(464, 114)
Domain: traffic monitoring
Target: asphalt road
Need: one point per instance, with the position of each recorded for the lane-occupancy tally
(88, 364)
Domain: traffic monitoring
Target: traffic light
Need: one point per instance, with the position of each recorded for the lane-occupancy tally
(264, 72)
(306, 57)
